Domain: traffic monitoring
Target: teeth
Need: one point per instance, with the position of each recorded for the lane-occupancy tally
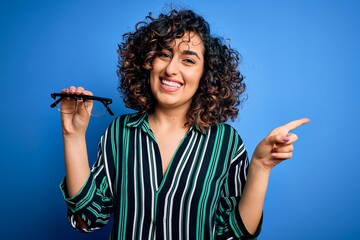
(170, 84)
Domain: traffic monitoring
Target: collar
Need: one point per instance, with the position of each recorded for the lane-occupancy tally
(141, 120)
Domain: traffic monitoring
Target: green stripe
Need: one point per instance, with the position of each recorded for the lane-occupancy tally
(204, 196)
(124, 181)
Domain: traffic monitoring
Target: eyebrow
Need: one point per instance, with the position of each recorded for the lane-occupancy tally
(189, 52)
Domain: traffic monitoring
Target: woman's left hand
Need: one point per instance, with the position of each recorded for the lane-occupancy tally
(277, 146)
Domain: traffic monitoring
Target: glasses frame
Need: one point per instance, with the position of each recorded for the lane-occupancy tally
(105, 101)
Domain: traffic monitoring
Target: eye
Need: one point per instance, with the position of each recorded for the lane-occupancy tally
(189, 61)
(164, 55)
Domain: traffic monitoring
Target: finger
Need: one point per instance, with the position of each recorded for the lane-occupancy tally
(88, 104)
(279, 139)
(294, 124)
(293, 138)
(281, 156)
(76, 90)
(80, 90)
(72, 89)
(283, 149)
(86, 92)
(65, 90)
(287, 139)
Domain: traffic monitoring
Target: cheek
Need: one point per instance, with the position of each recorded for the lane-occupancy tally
(157, 65)
(153, 75)
(152, 83)
(196, 76)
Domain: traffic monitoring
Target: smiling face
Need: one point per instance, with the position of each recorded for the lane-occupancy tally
(177, 71)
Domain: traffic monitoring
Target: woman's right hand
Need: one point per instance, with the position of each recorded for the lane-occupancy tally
(77, 122)
(74, 125)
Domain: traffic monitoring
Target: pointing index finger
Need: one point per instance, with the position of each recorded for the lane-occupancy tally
(295, 124)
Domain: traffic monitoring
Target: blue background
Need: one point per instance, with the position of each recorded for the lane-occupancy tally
(300, 59)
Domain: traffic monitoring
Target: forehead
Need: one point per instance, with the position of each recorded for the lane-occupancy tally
(190, 41)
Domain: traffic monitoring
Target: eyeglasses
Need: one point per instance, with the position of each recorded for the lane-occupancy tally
(68, 104)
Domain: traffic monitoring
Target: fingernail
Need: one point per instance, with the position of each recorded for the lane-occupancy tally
(286, 138)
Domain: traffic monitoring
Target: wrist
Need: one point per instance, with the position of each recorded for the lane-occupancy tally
(257, 166)
(73, 136)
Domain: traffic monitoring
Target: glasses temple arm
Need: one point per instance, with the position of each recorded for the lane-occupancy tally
(56, 102)
(109, 110)
(106, 104)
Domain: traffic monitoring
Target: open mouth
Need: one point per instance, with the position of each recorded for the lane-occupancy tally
(170, 84)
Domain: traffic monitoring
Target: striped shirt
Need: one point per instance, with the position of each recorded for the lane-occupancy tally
(196, 198)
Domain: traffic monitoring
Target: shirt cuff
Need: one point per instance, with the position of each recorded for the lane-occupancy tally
(243, 228)
(82, 198)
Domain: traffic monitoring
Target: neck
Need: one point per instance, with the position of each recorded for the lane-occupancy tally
(168, 117)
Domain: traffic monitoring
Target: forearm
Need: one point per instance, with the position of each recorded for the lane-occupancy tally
(76, 163)
(252, 200)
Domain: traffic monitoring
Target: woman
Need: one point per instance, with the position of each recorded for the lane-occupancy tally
(174, 170)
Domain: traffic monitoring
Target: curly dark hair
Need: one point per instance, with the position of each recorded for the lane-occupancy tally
(221, 86)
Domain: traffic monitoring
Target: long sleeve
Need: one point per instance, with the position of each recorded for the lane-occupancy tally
(228, 220)
(94, 202)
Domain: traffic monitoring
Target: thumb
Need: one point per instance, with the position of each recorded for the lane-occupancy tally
(277, 138)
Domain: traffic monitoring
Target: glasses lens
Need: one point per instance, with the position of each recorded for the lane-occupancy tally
(95, 108)
(67, 105)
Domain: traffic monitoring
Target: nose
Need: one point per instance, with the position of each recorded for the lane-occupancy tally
(172, 67)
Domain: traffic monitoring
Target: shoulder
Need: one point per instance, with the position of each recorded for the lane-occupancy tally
(225, 134)
(128, 118)
(123, 121)
(225, 129)
(227, 138)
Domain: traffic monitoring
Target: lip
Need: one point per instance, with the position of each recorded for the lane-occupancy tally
(169, 88)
